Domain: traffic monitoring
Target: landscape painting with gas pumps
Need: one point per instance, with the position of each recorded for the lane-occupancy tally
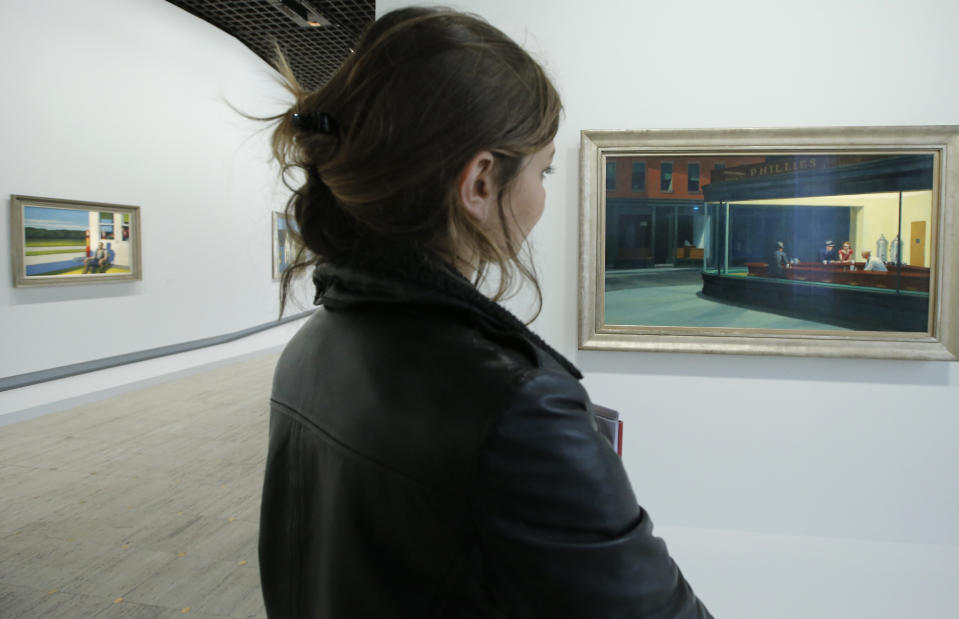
(70, 242)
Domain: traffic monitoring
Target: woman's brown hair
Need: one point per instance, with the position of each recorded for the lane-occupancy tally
(382, 144)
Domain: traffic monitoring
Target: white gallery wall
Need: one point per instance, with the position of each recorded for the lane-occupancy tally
(125, 102)
(787, 487)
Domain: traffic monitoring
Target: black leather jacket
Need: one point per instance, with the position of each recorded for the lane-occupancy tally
(431, 457)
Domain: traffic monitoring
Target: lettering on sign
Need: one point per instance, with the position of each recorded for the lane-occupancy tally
(782, 167)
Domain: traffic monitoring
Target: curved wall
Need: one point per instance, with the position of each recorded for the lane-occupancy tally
(124, 101)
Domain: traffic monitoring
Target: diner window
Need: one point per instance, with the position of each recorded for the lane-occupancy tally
(610, 176)
(692, 178)
(106, 226)
(639, 176)
(666, 176)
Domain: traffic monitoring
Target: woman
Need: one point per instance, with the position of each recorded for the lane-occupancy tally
(429, 455)
(846, 253)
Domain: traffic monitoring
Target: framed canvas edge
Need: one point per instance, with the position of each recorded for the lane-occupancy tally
(947, 263)
(20, 280)
(274, 257)
(940, 343)
(772, 346)
(588, 234)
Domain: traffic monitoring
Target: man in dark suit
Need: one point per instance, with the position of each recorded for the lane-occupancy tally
(828, 253)
(780, 261)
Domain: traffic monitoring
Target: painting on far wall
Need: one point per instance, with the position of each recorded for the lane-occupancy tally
(67, 242)
(284, 245)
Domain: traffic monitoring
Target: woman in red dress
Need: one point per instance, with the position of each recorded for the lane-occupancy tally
(846, 253)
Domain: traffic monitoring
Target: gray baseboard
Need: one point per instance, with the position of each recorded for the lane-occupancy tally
(33, 412)
(65, 371)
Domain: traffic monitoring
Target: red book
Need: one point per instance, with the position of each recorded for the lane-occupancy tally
(610, 426)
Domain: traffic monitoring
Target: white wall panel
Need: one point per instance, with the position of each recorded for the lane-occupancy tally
(813, 449)
(124, 101)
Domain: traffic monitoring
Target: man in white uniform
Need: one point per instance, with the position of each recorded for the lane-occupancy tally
(872, 263)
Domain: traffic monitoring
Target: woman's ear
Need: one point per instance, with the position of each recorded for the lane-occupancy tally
(476, 189)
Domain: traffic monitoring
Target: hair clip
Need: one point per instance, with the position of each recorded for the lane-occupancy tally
(326, 124)
(321, 123)
(299, 121)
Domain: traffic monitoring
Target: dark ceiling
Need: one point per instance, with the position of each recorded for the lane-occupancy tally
(314, 53)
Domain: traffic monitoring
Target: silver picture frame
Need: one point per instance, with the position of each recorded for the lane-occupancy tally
(56, 242)
(283, 245)
(936, 337)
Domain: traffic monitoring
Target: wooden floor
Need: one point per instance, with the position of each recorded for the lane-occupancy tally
(145, 505)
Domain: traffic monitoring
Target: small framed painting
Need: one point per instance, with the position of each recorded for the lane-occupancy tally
(284, 243)
(65, 242)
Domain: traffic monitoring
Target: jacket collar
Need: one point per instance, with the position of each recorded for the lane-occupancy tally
(418, 279)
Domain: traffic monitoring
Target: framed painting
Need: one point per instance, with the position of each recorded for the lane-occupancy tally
(68, 242)
(284, 245)
(835, 242)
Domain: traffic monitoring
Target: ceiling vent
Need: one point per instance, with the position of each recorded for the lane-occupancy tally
(314, 52)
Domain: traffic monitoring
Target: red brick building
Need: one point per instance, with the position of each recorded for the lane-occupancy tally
(655, 214)
(665, 177)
